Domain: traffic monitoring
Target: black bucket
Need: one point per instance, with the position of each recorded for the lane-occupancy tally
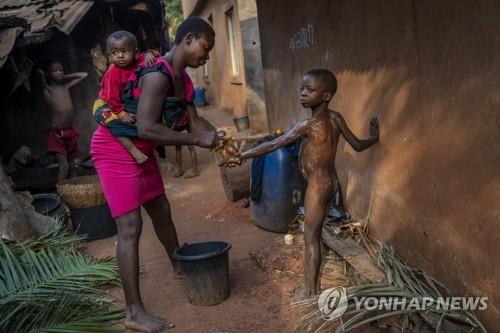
(205, 267)
(49, 204)
(95, 222)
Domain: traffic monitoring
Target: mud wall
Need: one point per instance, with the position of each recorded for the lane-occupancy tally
(223, 89)
(243, 94)
(429, 70)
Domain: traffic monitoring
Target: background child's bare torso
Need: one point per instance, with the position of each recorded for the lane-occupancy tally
(60, 104)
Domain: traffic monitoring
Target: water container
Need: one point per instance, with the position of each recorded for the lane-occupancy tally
(199, 96)
(49, 204)
(95, 222)
(205, 267)
(283, 190)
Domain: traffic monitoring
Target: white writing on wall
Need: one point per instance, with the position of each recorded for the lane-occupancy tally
(302, 39)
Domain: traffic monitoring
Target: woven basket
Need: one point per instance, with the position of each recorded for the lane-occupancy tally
(81, 192)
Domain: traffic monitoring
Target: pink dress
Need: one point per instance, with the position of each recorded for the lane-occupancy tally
(126, 184)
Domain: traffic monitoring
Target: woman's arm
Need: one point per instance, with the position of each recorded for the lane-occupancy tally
(153, 87)
(196, 125)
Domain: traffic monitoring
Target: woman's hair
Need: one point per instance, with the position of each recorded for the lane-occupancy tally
(195, 25)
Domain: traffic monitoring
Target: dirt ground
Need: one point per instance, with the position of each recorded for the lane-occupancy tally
(258, 303)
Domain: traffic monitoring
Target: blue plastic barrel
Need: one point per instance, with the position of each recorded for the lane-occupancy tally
(199, 96)
(283, 190)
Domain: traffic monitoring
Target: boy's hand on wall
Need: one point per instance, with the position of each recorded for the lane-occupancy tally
(374, 128)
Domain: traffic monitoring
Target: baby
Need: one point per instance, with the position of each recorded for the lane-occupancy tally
(109, 110)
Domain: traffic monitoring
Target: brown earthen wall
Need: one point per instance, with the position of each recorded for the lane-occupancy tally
(430, 71)
(222, 89)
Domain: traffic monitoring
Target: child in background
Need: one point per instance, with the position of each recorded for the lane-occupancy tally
(63, 136)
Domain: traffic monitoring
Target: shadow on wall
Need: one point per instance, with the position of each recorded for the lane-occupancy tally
(434, 174)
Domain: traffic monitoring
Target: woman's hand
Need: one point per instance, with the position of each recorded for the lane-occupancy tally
(205, 139)
(230, 156)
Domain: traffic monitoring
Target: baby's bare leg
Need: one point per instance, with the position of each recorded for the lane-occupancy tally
(138, 155)
(316, 200)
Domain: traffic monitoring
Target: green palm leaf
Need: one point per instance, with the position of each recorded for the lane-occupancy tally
(34, 284)
(401, 281)
(56, 238)
(63, 316)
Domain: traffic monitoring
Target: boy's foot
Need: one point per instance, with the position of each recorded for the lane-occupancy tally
(139, 156)
(144, 322)
(301, 294)
(192, 173)
(178, 173)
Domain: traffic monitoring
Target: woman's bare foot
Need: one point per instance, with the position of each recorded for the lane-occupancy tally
(192, 173)
(139, 156)
(144, 322)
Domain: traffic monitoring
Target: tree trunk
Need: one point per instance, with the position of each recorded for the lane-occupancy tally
(14, 223)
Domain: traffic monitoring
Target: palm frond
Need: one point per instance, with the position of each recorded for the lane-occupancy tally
(56, 238)
(402, 281)
(31, 282)
(63, 316)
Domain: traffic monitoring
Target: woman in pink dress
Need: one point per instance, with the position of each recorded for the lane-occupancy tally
(128, 185)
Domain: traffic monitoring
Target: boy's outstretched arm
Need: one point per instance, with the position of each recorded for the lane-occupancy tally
(43, 80)
(358, 144)
(292, 135)
(75, 78)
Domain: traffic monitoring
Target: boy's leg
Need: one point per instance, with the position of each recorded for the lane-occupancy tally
(138, 155)
(315, 204)
(127, 253)
(160, 149)
(72, 169)
(178, 161)
(193, 172)
(159, 211)
(62, 161)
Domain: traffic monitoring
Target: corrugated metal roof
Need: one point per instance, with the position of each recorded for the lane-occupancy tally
(17, 3)
(43, 14)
